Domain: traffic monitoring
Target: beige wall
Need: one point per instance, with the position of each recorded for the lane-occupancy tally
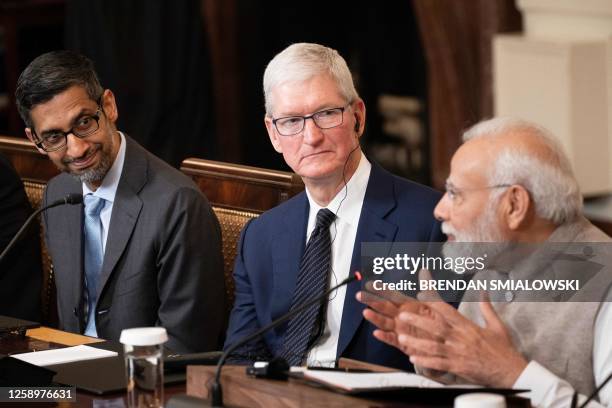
(558, 73)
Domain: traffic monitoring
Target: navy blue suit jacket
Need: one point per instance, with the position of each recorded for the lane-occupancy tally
(271, 247)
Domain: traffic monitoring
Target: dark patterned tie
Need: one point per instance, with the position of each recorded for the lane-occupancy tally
(312, 281)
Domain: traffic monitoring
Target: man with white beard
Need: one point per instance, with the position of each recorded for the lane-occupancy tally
(510, 183)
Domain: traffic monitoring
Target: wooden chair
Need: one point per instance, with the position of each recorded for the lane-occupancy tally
(237, 194)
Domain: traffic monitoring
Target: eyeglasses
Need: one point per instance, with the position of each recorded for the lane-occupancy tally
(324, 119)
(83, 127)
(456, 195)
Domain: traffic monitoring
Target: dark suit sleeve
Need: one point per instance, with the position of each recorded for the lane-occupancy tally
(20, 271)
(14, 207)
(190, 274)
(243, 319)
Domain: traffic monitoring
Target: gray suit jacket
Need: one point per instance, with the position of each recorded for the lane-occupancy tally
(162, 264)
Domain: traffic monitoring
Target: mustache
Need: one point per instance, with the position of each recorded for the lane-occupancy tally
(92, 150)
(447, 229)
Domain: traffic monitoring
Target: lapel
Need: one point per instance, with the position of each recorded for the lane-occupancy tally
(126, 208)
(288, 249)
(378, 202)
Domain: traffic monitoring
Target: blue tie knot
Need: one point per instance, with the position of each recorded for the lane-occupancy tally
(93, 205)
(324, 218)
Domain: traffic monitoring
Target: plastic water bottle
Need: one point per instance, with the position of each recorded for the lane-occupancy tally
(144, 364)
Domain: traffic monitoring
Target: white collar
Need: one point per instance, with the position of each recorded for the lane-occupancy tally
(347, 202)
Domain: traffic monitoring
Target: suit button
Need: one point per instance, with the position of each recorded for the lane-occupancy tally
(75, 311)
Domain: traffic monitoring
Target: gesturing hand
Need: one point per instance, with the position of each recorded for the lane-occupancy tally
(481, 355)
(384, 308)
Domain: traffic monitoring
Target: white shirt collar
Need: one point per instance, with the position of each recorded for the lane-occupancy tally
(108, 188)
(347, 203)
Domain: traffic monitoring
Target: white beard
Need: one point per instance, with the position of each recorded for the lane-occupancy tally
(483, 238)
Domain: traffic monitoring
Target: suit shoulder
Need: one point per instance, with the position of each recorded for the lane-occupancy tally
(164, 178)
(407, 190)
(270, 218)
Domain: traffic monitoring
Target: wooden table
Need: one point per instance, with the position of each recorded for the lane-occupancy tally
(44, 338)
(240, 390)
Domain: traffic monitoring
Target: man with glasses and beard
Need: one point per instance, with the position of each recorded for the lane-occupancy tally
(144, 249)
(511, 184)
(294, 252)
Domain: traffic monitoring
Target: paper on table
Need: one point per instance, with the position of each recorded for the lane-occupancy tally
(64, 355)
(369, 381)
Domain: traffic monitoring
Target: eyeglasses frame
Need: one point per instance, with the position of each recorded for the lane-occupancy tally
(311, 116)
(96, 116)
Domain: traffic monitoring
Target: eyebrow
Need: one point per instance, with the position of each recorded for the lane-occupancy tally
(82, 112)
(319, 109)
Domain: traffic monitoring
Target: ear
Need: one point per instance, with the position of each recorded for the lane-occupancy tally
(517, 206)
(359, 111)
(30, 136)
(110, 106)
(274, 138)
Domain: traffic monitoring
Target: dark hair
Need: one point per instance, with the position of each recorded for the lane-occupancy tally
(51, 74)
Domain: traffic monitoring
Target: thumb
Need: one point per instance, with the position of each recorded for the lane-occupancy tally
(492, 320)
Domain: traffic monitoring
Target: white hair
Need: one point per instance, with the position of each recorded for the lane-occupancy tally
(302, 61)
(550, 180)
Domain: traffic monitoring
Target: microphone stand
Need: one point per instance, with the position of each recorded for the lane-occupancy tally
(603, 384)
(216, 391)
(69, 199)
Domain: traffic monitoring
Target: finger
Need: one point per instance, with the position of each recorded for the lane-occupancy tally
(386, 337)
(432, 363)
(434, 327)
(381, 306)
(422, 347)
(389, 295)
(408, 329)
(446, 312)
(379, 320)
(427, 295)
(416, 307)
(365, 296)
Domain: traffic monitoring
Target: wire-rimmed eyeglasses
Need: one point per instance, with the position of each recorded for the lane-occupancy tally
(324, 119)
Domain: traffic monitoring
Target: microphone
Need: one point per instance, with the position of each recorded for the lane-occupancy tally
(216, 393)
(593, 394)
(72, 199)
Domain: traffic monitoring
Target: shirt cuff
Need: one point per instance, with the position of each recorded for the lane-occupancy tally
(539, 380)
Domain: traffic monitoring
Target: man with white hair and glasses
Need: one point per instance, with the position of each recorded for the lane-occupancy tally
(294, 252)
(510, 183)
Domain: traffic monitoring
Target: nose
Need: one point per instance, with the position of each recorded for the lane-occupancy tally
(441, 210)
(312, 133)
(75, 147)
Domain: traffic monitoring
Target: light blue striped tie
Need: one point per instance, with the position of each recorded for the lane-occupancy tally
(94, 254)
